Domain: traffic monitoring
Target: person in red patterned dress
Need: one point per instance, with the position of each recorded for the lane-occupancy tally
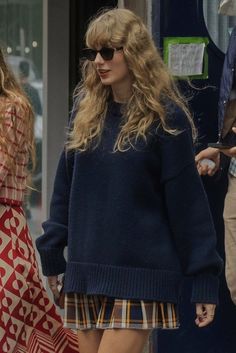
(29, 322)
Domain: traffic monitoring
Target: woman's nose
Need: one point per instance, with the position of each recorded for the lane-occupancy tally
(98, 58)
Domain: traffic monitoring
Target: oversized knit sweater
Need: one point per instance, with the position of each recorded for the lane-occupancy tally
(135, 222)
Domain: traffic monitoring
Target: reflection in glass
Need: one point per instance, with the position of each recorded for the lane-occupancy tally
(219, 26)
(21, 39)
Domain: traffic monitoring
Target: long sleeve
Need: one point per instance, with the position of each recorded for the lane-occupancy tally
(189, 214)
(52, 243)
(11, 133)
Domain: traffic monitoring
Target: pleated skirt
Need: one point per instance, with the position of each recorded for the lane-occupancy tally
(84, 312)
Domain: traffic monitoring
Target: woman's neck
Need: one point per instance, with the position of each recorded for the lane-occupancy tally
(121, 94)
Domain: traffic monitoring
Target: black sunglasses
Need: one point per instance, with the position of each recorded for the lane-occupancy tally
(106, 53)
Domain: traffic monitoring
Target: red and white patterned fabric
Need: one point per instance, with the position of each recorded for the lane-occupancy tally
(28, 319)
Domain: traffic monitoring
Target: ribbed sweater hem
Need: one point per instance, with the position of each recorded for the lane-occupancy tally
(123, 282)
(205, 289)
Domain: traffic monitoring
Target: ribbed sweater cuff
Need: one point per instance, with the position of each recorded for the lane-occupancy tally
(53, 261)
(205, 289)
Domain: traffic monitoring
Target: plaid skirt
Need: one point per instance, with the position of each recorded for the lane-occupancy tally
(84, 312)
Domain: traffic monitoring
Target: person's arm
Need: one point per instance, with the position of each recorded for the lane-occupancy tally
(214, 155)
(52, 243)
(230, 152)
(189, 214)
(11, 136)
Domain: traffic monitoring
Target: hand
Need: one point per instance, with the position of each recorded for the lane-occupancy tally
(230, 152)
(205, 314)
(210, 153)
(53, 285)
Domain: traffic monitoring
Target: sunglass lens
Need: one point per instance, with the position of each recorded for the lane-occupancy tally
(89, 54)
(107, 53)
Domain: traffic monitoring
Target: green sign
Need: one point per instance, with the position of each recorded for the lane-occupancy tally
(186, 57)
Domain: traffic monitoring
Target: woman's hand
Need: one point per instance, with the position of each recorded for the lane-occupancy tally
(209, 153)
(53, 285)
(205, 314)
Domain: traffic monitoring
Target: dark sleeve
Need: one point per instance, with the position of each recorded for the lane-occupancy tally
(52, 243)
(189, 214)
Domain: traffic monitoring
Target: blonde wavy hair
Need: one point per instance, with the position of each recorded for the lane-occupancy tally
(152, 84)
(13, 96)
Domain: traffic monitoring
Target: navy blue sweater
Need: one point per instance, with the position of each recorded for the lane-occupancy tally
(134, 222)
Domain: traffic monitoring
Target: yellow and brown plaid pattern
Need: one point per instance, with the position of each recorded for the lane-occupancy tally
(84, 312)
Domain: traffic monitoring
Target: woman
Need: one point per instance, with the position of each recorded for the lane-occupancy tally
(128, 201)
(28, 321)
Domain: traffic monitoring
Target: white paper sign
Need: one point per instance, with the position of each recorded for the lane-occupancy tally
(186, 59)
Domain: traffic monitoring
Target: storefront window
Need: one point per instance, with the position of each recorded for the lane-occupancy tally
(21, 40)
(219, 26)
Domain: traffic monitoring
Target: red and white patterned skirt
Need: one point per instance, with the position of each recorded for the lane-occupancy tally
(28, 319)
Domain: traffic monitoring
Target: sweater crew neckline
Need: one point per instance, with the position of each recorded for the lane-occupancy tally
(115, 108)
